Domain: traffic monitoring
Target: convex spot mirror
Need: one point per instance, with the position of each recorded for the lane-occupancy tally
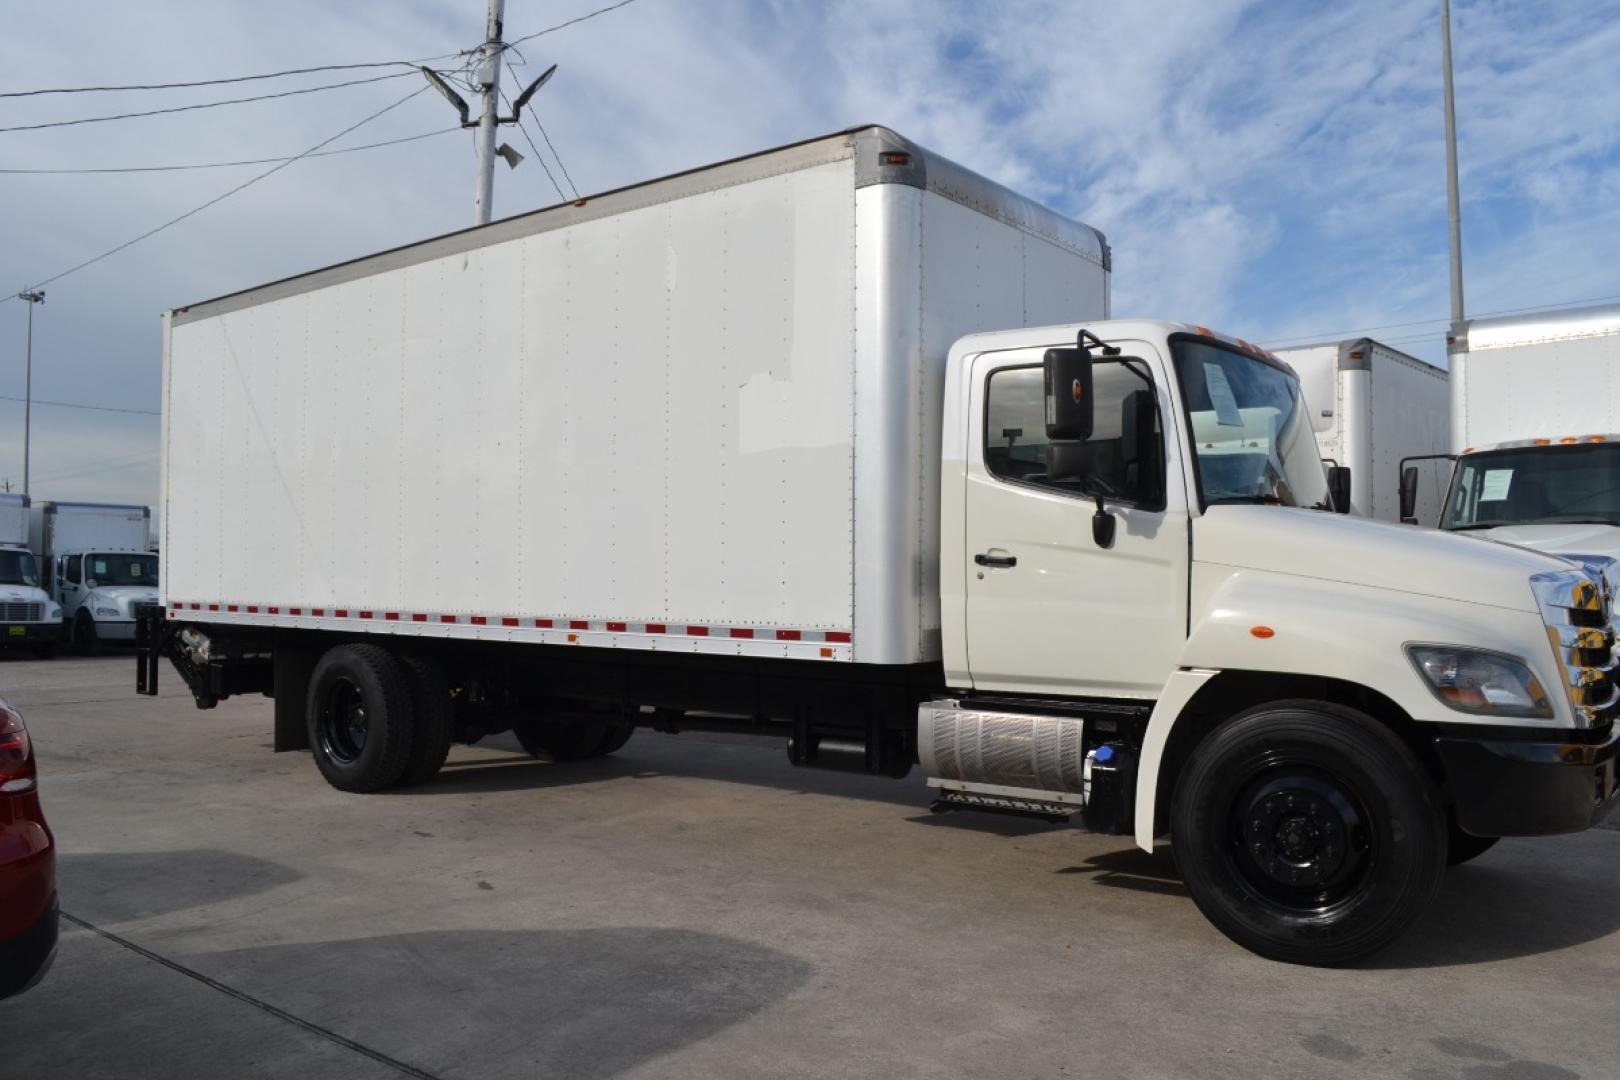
(1068, 394)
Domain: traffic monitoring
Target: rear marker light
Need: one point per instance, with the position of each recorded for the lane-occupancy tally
(894, 157)
(1262, 632)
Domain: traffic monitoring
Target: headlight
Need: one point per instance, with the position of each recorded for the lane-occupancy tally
(1481, 682)
(56, 611)
(108, 612)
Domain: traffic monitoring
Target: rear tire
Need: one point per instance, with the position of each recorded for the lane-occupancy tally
(359, 714)
(434, 720)
(1307, 832)
(45, 652)
(570, 738)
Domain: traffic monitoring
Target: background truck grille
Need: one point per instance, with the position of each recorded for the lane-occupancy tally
(21, 611)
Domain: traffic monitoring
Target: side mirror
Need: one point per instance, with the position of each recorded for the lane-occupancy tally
(1338, 479)
(1068, 395)
(1409, 486)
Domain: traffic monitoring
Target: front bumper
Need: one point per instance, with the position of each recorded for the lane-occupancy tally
(42, 633)
(115, 629)
(1517, 787)
(24, 959)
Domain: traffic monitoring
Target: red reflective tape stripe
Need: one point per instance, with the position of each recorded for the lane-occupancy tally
(544, 624)
(741, 632)
(510, 622)
(477, 620)
(196, 607)
(317, 611)
(229, 607)
(657, 628)
(391, 616)
(788, 635)
(447, 618)
(275, 611)
(253, 609)
(838, 635)
(213, 607)
(698, 631)
(366, 614)
(616, 627)
(579, 624)
(418, 617)
(342, 613)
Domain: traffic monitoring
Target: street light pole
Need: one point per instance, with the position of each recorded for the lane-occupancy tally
(1453, 198)
(489, 81)
(36, 296)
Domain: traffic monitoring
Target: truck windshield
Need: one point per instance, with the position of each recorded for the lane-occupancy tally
(1533, 485)
(1251, 433)
(17, 568)
(121, 569)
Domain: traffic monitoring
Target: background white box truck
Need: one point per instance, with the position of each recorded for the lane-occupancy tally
(836, 443)
(98, 566)
(28, 617)
(1373, 407)
(1535, 413)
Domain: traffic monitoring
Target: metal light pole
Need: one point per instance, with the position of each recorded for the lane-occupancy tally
(1453, 198)
(489, 80)
(34, 297)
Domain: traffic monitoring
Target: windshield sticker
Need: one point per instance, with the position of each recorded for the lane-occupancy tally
(1495, 487)
(1227, 413)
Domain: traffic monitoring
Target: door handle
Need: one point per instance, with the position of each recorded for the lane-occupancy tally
(1004, 562)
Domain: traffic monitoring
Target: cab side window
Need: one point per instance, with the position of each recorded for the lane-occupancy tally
(74, 566)
(1124, 458)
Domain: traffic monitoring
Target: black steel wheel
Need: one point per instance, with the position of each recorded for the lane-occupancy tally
(360, 718)
(1307, 832)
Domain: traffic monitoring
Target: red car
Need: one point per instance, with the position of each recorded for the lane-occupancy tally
(27, 864)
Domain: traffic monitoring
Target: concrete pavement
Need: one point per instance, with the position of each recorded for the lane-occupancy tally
(695, 907)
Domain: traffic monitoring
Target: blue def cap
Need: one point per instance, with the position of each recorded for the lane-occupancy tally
(1104, 755)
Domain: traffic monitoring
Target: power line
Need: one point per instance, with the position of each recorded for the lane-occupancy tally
(222, 164)
(206, 104)
(570, 22)
(1442, 322)
(107, 465)
(221, 82)
(221, 198)
(536, 118)
(78, 405)
(537, 155)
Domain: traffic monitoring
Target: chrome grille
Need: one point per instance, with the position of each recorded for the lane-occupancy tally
(21, 611)
(1578, 610)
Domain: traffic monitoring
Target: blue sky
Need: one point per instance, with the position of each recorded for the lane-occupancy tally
(1274, 169)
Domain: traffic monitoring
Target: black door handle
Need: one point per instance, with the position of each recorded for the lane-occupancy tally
(1001, 561)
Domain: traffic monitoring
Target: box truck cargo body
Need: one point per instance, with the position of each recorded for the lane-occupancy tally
(28, 617)
(836, 443)
(1535, 408)
(1373, 407)
(97, 565)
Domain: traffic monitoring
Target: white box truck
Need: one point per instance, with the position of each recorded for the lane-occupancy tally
(1374, 408)
(1535, 413)
(28, 617)
(98, 566)
(837, 443)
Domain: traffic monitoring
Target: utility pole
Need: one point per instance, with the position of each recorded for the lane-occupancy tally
(489, 79)
(489, 119)
(33, 297)
(1453, 198)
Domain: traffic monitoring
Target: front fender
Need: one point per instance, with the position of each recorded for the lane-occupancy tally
(1335, 630)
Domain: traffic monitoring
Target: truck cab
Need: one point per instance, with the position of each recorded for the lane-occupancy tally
(29, 618)
(99, 592)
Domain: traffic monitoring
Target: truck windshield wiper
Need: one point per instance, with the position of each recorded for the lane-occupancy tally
(1266, 500)
(1485, 525)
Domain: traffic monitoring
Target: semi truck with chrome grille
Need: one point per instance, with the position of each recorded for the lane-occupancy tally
(839, 443)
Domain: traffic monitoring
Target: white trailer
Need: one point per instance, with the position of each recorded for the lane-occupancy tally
(1373, 407)
(1535, 414)
(28, 617)
(836, 443)
(98, 567)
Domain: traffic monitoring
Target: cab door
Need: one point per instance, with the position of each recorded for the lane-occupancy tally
(1049, 609)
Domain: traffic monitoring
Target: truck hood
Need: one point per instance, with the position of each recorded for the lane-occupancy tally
(24, 594)
(133, 594)
(1376, 554)
(1565, 539)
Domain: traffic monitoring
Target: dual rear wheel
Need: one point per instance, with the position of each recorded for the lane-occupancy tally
(377, 719)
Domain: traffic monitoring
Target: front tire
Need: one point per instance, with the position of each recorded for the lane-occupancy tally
(85, 640)
(360, 718)
(1307, 832)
